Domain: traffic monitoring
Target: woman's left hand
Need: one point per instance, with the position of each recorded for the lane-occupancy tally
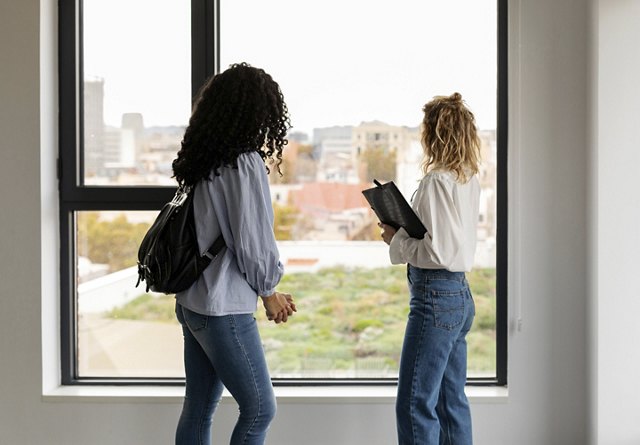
(387, 232)
(279, 307)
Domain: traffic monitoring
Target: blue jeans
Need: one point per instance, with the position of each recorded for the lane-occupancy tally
(431, 407)
(227, 351)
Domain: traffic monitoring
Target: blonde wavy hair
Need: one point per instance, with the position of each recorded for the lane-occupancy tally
(450, 137)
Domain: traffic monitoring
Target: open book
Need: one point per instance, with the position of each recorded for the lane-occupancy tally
(391, 208)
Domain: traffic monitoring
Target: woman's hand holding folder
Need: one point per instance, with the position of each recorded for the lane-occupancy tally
(387, 232)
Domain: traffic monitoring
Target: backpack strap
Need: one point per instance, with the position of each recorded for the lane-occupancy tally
(215, 248)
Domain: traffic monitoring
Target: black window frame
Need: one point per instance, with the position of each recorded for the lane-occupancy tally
(205, 50)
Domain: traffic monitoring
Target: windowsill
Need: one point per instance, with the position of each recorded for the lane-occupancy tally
(302, 395)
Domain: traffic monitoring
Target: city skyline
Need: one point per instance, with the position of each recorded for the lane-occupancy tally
(334, 63)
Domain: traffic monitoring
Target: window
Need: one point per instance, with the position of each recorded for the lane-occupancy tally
(355, 88)
(119, 122)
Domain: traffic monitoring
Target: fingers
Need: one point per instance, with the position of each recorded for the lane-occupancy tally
(383, 232)
(276, 318)
(386, 233)
(280, 317)
(280, 308)
(287, 308)
(291, 303)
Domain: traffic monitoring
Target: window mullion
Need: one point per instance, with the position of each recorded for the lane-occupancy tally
(205, 41)
(502, 201)
(68, 36)
(118, 198)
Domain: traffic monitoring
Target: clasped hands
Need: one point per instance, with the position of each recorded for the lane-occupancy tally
(279, 307)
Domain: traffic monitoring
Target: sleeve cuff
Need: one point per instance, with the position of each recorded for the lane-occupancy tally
(278, 276)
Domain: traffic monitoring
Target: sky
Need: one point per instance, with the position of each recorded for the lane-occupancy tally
(338, 62)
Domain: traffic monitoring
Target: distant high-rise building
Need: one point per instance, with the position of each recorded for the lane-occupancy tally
(298, 136)
(378, 135)
(335, 132)
(118, 150)
(380, 143)
(332, 149)
(93, 95)
(134, 123)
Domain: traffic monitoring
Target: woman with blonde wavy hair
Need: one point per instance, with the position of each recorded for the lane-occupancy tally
(431, 406)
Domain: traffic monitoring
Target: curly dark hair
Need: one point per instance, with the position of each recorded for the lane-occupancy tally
(239, 110)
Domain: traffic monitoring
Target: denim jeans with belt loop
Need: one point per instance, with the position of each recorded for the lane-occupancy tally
(431, 406)
(224, 350)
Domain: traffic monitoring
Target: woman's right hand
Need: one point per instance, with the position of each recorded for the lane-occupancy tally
(279, 307)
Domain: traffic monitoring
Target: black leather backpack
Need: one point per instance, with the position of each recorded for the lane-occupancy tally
(168, 258)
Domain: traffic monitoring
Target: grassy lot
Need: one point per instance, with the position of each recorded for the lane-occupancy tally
(350, 322)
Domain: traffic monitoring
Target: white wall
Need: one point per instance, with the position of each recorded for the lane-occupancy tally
(616, 150)
(550, 147)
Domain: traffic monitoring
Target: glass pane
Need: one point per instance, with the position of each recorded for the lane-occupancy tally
(122, 330)
(137, 89)
(355, 76)
(350, 323)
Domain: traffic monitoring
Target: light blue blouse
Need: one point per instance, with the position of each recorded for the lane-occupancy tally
(237, 203)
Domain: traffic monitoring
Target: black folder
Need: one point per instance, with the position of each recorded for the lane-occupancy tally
(392, 209)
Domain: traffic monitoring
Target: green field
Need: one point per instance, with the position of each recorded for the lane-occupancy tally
(350, 323)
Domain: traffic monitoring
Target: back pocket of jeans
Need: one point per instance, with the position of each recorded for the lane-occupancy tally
(448, 308)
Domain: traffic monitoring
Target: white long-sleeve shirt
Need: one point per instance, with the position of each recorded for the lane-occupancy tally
(237, 203)
(449, 211)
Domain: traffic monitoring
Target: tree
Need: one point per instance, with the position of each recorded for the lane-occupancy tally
(114, 242)
(380, 164)
(285, 219)
(288, 172)
(298, 163)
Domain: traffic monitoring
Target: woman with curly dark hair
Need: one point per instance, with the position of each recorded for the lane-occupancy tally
(239, 123)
